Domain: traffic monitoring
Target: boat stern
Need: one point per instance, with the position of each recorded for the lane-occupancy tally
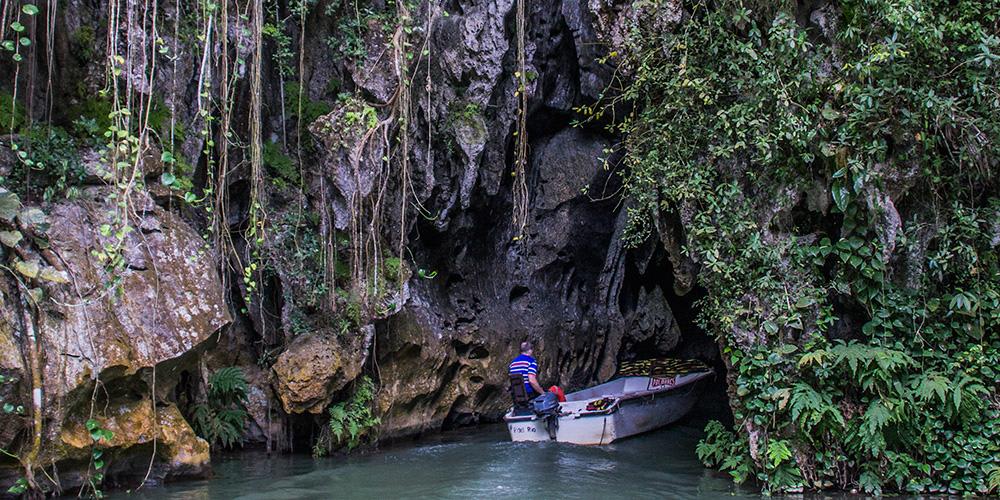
(576, 426)
(527, 427)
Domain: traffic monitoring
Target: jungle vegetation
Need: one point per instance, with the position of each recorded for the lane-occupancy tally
(836, 180)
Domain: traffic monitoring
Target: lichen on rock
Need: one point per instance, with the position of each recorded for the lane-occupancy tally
(317, 365)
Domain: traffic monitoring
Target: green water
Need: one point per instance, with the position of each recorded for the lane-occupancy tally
(476, 463)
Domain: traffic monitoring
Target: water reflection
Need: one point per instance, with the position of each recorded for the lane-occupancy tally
(478, 463)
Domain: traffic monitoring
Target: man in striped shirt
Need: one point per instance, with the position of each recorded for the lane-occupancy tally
(526, 366)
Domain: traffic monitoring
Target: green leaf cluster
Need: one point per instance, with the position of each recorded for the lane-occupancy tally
(11, 113)
(354, 23)
(49, 165)
(353, 422)
(222, 419)
(100, 437)
(836, 181)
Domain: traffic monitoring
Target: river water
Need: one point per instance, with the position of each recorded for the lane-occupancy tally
(471, 463)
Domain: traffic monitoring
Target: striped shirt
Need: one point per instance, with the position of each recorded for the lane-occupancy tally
(524, 365)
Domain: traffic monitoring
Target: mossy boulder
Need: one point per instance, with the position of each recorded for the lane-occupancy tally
(136, 426)
(317, 365)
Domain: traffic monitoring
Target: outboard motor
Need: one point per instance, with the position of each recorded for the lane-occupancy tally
(547, 407)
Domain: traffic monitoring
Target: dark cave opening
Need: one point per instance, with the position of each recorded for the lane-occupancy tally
(694, 342)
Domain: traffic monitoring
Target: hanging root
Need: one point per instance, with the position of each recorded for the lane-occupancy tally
(520, 186)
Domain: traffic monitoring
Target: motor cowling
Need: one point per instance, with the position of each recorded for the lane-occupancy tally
(547, 407)
(545, 404)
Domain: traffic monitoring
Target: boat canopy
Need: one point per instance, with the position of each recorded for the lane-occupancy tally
(661, 367)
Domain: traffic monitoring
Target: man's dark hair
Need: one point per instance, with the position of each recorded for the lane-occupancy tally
(526, 346)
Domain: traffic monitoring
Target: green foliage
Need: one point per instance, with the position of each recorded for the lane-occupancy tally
(6, 407)
(92, 116)
(222, 419)
(100, 436)
(283, 55)
(19, 487)
(351, 317)
(300, 254)
(179, 175)
(11, 113)
(466, 113)
(284, 171)
(365, 115)
(159, 118)
(466, 119)
(82, 43)
(311, 110)
(20, 38)
(354, 24)
(93, 112)
(393, 269)
(353, 422)
(49, 166)
(724, 449)
(864, 354)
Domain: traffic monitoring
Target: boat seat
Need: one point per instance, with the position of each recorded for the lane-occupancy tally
(517, 391)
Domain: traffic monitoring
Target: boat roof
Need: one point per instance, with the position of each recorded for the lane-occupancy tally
(660, 367)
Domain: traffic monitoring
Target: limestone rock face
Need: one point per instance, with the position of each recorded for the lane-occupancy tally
(443, 359)
(317, 365)
(11, 366)
(430, 381)
(101, 335)
(569, 285)
(352, 158)
(653, 323)
(178, 451)
(170, 300)
(444, 344)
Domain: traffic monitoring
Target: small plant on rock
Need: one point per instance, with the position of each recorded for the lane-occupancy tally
(352, 422)
(222, 419)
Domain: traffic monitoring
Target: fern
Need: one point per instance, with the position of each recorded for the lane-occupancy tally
(778, 451)
(787, 477)
(229, 384)
(870, 482)
(201, 420)
(994, 478)
(715, 445)
(337, 412)
(228, 432)
(969, 390)
(354, 420)
(338, 415)
(874, 420)
(723, 449)
(872, 366)
(853, 354)
(222, 420)
(931, 384)
(817, 357)
(810, 409)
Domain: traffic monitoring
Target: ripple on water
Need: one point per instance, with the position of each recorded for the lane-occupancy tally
(478, 463)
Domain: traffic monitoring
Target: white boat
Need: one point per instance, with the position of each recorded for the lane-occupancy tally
(622, 407)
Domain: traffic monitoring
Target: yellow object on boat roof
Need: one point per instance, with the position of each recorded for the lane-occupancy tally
(661, 367)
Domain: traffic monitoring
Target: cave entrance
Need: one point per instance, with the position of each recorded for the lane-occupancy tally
(648, 297)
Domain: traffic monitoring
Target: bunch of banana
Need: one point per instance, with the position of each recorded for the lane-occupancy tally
(600, 404)
(660, 367)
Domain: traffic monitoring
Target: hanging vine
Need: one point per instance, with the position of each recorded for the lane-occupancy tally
(228, 52)
(520, 185)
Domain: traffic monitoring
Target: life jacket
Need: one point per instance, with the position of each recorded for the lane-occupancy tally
(558, 392)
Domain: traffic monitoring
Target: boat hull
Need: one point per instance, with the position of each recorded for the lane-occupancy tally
(632, 414)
